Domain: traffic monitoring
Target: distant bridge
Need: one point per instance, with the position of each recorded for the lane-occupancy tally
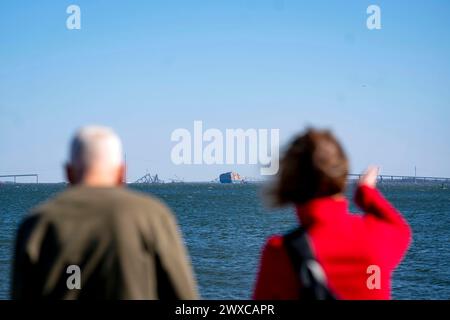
(396, 178)
(149, 179)
(381, 178)
(15, 176)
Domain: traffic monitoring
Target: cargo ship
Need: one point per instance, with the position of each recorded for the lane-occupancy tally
(230, 177)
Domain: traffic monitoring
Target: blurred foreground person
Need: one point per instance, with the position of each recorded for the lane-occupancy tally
(334, 254)
(98, 240)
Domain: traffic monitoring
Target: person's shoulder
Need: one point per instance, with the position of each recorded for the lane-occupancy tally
(42, 212)
(274, 243)
(138, 197)
(48, 206)
(134, 209)
(274, 252)
(141, 201)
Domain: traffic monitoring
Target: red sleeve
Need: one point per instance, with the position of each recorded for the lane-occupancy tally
(276, 279)
(386, 228)
(373, 202)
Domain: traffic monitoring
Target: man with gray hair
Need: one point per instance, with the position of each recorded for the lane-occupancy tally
(98, 240)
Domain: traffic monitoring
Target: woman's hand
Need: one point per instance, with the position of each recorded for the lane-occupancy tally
(369, 178)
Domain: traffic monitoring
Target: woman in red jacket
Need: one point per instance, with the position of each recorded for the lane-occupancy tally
(358, 253)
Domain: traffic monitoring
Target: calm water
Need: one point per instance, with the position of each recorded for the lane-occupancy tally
(225, 226)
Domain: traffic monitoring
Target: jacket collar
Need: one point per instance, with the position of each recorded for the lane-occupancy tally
(322, 210)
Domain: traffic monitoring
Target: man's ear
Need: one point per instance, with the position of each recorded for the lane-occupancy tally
(70, 174)
(121, 175)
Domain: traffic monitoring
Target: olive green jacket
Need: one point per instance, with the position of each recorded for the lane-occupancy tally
(125, 244)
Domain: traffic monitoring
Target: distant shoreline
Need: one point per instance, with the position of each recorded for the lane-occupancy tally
(350, 182)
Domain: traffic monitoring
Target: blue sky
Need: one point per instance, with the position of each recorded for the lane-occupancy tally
(148, 68)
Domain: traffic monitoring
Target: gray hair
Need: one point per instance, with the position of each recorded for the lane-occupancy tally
(95, 146)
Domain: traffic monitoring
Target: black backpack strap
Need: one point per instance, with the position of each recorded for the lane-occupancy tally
(312, 278)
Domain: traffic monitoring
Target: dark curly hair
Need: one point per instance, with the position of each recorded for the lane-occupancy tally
(314, 165)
